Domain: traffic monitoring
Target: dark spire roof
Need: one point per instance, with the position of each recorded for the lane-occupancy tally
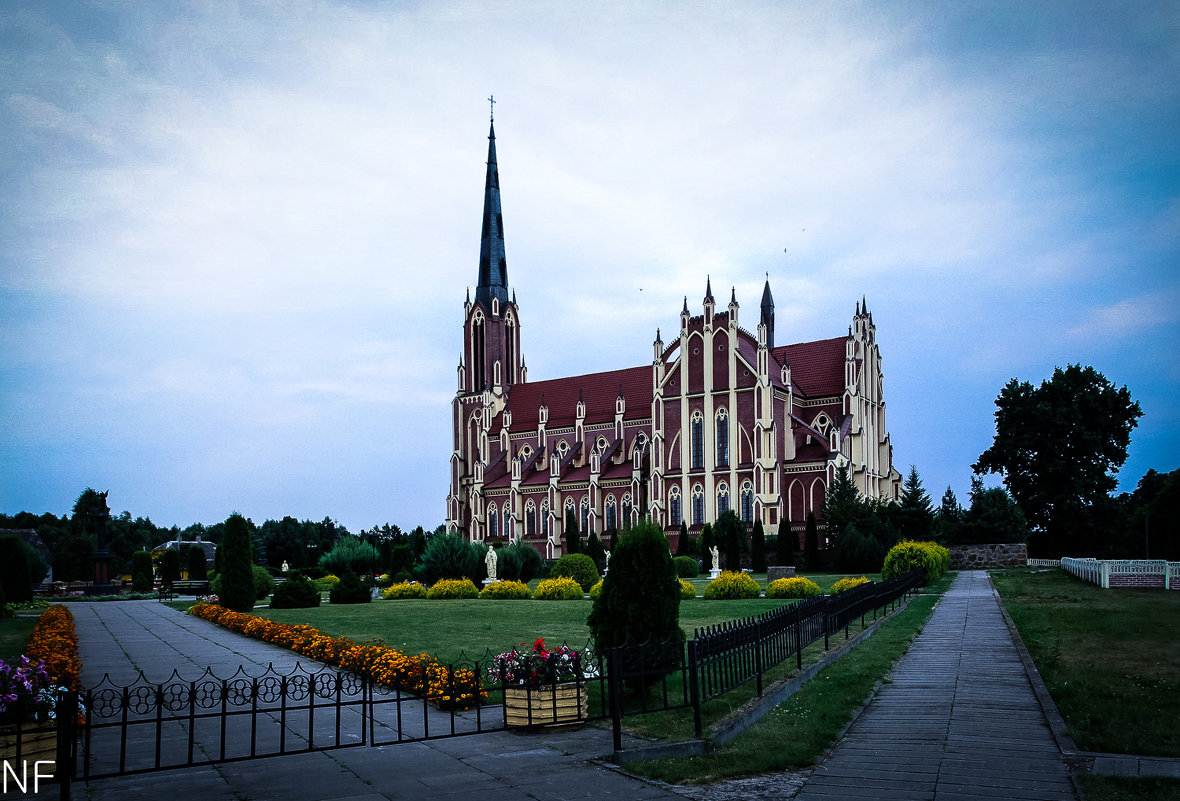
(767, 316)
(493, 268)
(708, 288)
(733, 295)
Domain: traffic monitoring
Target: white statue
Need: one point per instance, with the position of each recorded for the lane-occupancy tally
(606, 567)
(286, 566)
(489, 559)
(716, 557)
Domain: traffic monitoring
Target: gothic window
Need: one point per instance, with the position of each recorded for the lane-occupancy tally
(747, 502)
(698, 505)
(722, 438)
(477, 354)
(674, 506)
(510, 338)
(697, 428)
(600, 446)
(612, 520)
(544, 518)
(493, 521)
(722, 498)
(586, 515)
(562, 448)
(627, 510)
(530, 520)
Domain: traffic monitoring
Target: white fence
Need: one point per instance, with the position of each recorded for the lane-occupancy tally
(1044, 563)
(1125, 572)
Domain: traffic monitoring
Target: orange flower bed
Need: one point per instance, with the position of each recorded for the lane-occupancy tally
(55, 643)
(422, 675)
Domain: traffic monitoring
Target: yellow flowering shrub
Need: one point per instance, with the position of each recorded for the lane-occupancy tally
(558, 589)
(596, 590)
(404, 589)
(327, 583)
(687, 590)
(797, 587)
(453, 588)
(847, 584)
(507, 591)
(730, 585)
(906, 555)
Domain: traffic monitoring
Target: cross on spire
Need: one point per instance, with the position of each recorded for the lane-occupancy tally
(492, 101)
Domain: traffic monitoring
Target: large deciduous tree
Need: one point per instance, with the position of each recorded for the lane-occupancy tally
(1059, 447)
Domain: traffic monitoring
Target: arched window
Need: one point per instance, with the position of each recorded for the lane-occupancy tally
(697, 431)
(544, 518)
(586, 515)
(674, 506)
(747, 502)
(722, 498)
(493, 521)
(612, 518)
(530, 520)
(722, 438)
(479, 377)
(698, 505)
(627, 510)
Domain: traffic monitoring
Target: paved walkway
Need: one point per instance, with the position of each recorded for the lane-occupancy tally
(124, 638)
(959, 719)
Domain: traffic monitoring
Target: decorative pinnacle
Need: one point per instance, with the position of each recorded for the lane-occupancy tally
(492, 101)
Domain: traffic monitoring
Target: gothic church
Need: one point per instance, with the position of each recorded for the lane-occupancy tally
(722, 418)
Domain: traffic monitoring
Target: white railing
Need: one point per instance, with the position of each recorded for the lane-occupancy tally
(1044, 563)
(1100, 571)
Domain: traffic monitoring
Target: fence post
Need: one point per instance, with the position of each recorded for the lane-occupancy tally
(694, 688)
(67, 727)
(614, 683)
(827, 623)
(798, 635)
(758, 653)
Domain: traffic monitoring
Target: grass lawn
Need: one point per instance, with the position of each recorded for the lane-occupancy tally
(14, 635)
(1109, 657)
(1125, 788)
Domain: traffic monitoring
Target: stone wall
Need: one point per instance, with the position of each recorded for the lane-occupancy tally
(974, 557)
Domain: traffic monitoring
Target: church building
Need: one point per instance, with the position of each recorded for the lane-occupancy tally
(722, 418)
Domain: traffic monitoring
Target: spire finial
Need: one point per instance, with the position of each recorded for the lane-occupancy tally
(492, 101)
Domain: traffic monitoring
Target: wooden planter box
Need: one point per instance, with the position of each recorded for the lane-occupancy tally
(38, 743)
(550, 705)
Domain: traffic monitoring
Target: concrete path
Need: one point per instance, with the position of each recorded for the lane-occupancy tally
(121, 639)
(959, 719)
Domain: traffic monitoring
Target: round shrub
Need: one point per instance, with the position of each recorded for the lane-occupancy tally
(797, 587)
(558, 589)
(731, 586)
(686, 567)
(687, 590)
(595, 591)
(847, 584)
(404, 589)
(579, 567)
(907, 555)
(350, 590)
(507, 591)
(264, 584)
(327, 583)
(448, 589)
(297, 592)
(520, 561)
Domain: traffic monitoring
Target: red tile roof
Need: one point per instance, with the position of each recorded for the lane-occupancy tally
(817, 368)
(598, 391)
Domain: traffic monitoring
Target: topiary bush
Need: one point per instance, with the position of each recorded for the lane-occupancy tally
(449, 589)
(640, 599)
(141, 571)
(848, 583)
(170, 567)
(264, 583)
(905, 556)
(797, 587)
(237, 590)
(297, 592)
(686, 567)
(562, 588)
(579, 567)
(404, 589)
(507, 591)
(732, 586)
(350, 590)
(687, 590)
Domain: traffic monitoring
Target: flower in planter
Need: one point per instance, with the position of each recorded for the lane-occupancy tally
(536, 666)
(26, 691)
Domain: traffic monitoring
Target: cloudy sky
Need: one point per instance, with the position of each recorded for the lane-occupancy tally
(235, 238)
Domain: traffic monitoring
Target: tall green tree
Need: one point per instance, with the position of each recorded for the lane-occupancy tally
(573, 540)
(914, 516)
(169, 567)
(843, 505)
(237, 571)
(15, 569)
(683, 542)
(706, 543)
(730, 532)
(196, 567)
(1059, 446)
(948, 518)
(640, 599)
(758, 547)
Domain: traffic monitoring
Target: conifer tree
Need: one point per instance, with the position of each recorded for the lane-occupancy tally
(706, 542)
(683, 544)
(573, 542)
(758, 548)
(237, 574)
(730, 532)
(914, 517)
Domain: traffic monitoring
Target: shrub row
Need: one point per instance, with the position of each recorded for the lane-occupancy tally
(554, 589)
(905, 556)
(422, 675)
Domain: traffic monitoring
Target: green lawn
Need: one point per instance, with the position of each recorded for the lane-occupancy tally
(14, 635)
(1109, 657)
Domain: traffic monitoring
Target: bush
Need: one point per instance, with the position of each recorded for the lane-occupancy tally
(905, 556)
(196, 566)
(687, 590)
(264, 583)
(507, 591)
(519, 561)
(640, 599)
(848, 583)
(384, 580)
(451, 556)
(141, 571)
(595, 591)
(448, 589)
(327, 583)
(562, 588)
(730, 586)
(297, 592)
(350, 553)
(350, 590)
(15, 569)
(686, 567)
(798, 587)
(404, 589)
(170, 567)
(237, 590)
(579, 567)
(402, 577)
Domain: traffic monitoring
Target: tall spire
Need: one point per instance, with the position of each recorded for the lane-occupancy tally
(493, 267)
(767, 318)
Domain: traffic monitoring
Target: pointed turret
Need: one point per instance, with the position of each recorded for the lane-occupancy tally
(767, 318)
(493, 267)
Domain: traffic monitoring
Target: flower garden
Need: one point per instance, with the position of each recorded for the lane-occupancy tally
(27, 685)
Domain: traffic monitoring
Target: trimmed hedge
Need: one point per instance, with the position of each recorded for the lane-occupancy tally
(907, 555)
(731, 586)
(558, 589)
(507, 591)
(686, 567)
(848, 583)
(797, 587)
(297, 592)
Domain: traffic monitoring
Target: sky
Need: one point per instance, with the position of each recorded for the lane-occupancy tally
(235, 237)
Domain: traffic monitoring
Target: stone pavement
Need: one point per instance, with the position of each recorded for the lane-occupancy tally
(130, 636)
(958, 720)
